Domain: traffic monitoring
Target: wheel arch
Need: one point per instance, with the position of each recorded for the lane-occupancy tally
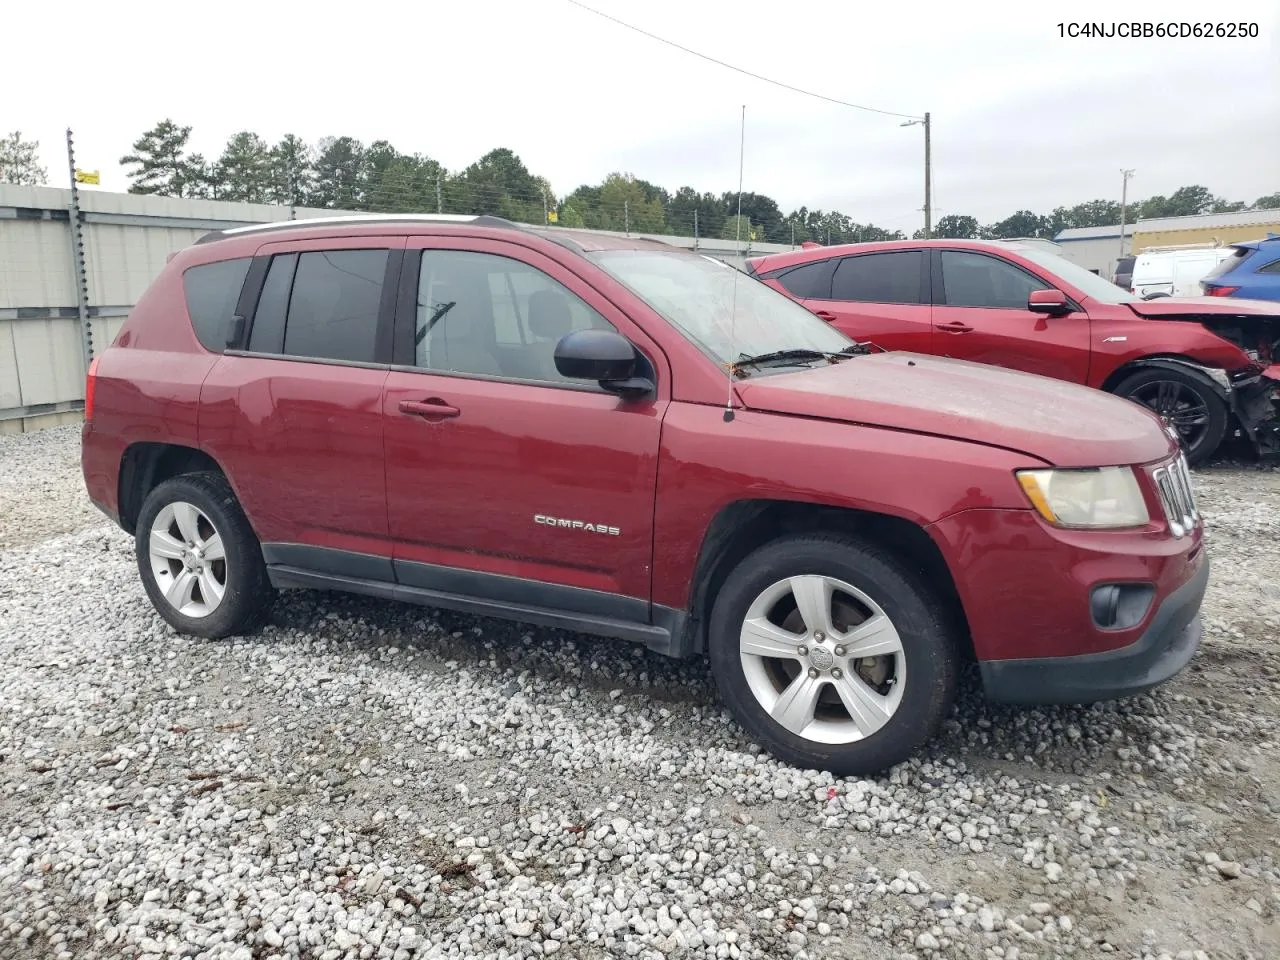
(144, 466)
(1172, 361)
(745, 525)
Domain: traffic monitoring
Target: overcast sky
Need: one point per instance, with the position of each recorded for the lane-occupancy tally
(1022, 118)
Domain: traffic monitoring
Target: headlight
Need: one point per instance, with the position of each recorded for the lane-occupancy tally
(1103, 497)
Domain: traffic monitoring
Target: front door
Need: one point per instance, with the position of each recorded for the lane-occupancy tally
(980, 313)
(499, 470)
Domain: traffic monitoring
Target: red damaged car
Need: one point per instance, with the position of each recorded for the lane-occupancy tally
(1208, 366)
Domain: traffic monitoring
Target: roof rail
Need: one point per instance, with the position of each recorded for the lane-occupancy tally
(1213, 244)
(478, 220)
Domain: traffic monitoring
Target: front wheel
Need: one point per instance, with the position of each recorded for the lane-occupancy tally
(832, 654)
(1184, 402)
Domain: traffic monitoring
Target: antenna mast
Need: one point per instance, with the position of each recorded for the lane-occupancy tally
(733, 309)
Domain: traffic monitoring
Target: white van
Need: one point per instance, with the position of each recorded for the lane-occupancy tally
(1175, 271)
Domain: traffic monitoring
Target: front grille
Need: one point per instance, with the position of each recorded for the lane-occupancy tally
(1173, 483)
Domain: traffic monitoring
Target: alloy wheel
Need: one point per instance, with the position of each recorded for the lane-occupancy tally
(188, 559)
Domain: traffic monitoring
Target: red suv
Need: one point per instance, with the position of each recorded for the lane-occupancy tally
(1018, 306)
(583, 432)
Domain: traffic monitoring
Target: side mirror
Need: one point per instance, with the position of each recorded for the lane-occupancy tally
(604, 356)
(1052, 303)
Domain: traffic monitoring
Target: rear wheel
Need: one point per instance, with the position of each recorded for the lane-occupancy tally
(831, 654)
(1192, 408)
(200, 562)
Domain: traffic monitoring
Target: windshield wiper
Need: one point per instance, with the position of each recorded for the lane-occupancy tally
(801, 354)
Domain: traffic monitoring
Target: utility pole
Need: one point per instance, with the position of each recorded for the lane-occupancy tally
(545, 221)
(928, 172)
(695, 228)
(439, 199)
(1124, 203)
(626, 216)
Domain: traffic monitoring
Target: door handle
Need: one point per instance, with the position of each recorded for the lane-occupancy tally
(825, 315)
(432, 410)
(955, 327)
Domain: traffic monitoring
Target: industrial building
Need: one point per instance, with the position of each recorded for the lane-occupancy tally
(1098, 248)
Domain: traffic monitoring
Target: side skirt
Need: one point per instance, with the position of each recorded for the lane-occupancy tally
(482, 594)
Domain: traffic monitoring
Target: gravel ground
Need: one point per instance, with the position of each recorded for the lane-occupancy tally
(369, 780)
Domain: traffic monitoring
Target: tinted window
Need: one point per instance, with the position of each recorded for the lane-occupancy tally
(811, 280)
(1272, 267)
(1229, 264)
(267, 334)
(494, 316)
(879, 278)
(212, 291)
(974, 280)
(333, 310)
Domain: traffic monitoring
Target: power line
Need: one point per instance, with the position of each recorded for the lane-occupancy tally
(748, 73)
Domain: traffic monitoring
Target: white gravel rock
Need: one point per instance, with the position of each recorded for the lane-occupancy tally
(368, 780)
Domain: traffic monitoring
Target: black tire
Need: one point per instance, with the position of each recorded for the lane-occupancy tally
(1199, 440)
(248, 595)
(928, 646)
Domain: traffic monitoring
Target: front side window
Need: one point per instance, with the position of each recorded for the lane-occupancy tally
(879, 277)
(493, 316)
(977, 280)
(212, 291)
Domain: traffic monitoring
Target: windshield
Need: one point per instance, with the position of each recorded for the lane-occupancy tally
(1089, 283)
(696, 294)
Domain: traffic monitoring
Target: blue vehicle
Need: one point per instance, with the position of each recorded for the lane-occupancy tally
(1251, 272)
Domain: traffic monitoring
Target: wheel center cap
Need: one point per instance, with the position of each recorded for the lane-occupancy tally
(821, 658)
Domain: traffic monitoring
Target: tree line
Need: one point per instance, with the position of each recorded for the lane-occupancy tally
(344, 173)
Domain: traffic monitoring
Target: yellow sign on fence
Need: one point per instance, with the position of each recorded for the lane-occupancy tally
(89, 176)
(553, 217)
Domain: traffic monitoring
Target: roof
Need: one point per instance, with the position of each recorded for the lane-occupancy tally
(776, 261)
(1204, 221)
(1092, 233)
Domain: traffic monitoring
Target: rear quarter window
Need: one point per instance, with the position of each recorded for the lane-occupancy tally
(212, 291)
(1229, 264)
(809, 281)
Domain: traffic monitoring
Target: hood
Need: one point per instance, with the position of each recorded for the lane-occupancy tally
(1204, 307)
(1062, 423)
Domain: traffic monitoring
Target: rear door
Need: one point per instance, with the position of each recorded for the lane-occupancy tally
(980, 314)
(293, 411)
(882, 297)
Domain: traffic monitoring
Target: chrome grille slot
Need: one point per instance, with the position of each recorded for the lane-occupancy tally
(1177, 496)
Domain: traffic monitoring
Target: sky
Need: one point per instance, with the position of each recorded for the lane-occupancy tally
(1022, 117)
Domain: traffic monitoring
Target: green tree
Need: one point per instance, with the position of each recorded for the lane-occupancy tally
(501, 185)
(161, 165)
(1269, 202)
(243, 172)
(18, 162)
(339, 174)
(738, 227)
(955, 226)
(290, 171)
(1024, 223)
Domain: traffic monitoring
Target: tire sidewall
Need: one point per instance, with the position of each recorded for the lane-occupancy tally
(929, 653)
(242, 552)
(1218, 413)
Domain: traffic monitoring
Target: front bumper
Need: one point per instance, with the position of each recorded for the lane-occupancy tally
(1160, 653)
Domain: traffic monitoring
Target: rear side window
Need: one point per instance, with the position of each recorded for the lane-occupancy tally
(879, 278)
(809, 281)
(322, 304)
(212, 291)
(1272, 267)
(1226, 266)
